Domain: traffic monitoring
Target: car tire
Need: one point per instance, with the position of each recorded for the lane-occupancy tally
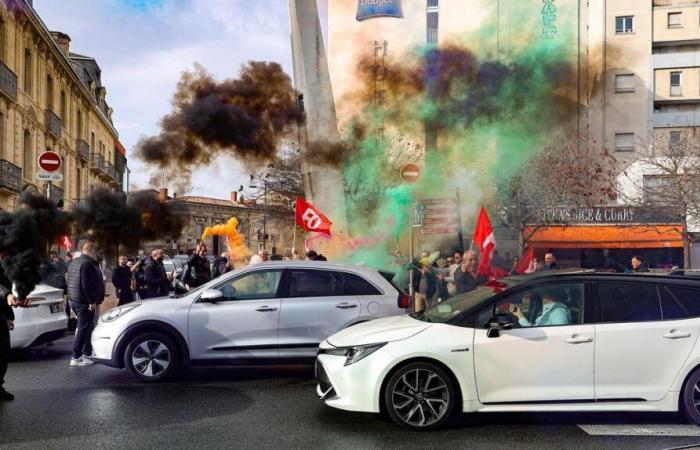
(420, 396)
(690, 401)
(151, 357)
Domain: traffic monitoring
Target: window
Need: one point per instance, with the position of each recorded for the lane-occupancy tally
(432, 21)
(675, 20)
(49, 93)
(624, 24)
(654, 187)
(622, 302)
(27, 71)
(80, 125)
(676, 83)
(547, 305)
(3, 39)
(92, 144)
(64, 118)
(624, 82)
(27, 155)
(433, 4)
(261, 284)
(624, 142)
(78, 184)
(670, 308)
(688, 298)
(315, 283)
(2, 136)
(356, 285)
(674, 140)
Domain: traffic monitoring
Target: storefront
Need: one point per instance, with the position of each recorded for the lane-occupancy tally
(607, 237)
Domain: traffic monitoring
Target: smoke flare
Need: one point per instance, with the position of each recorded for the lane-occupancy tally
(234, 239)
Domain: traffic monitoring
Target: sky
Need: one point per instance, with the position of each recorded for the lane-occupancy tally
(143, 46)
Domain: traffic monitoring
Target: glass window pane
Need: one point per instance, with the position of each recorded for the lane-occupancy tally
(624, 82)
(315, 283)
(356, 285)
(256, 285)
(547, 305)
(688, 298)
(622, 302)
(670, 308)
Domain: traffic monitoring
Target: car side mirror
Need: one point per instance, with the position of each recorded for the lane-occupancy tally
(497, 323)
(211, 296)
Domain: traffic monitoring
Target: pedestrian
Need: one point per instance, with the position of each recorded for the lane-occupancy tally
(467, 278)
(311, 255)
(426, 285)
(222, 265)
(550, 262)
(7, 324)
(264, 255)
(55, 275)
(86, 290)
(138, 271)
(198, 271)
(157, 280)
(295, 255)
(121, 279)
(638, 265)
(443, 273)
(450, 279)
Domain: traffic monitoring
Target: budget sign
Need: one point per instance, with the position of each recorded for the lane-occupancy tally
(367, 9)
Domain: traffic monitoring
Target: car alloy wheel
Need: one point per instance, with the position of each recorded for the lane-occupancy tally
(420, 396)
(151, 357)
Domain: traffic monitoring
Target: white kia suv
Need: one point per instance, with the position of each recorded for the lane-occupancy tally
(277, 311)
(554, 342)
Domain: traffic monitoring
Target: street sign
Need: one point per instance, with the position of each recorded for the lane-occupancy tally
(44, 176)
(49, 161)
(440, 216)
(410, 173)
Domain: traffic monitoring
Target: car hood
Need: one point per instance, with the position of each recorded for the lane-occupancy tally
(388, 329)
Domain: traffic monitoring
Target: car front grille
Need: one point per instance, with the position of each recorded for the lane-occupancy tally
(324, 383)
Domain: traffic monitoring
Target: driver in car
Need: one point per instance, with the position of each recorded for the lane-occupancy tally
(553, 312)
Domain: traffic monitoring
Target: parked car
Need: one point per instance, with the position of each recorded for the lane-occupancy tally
(555, 342)
(277, 311)
(43, 321)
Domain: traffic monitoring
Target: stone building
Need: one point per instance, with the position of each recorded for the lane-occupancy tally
(201, 212)
(51, 99)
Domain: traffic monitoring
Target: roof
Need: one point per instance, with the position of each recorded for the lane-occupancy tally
(208, 201)
(315, 265)
(592, 274)
(120, 148)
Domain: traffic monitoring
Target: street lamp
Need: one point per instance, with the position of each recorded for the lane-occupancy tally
(253, 186)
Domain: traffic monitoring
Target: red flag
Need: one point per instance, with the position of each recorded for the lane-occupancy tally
(311, 219)
(524, 264)
(483, 236)
(65, 243)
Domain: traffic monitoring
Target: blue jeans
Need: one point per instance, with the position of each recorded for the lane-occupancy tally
(82, 344)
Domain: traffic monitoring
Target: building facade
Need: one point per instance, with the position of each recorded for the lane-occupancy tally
(51, 99)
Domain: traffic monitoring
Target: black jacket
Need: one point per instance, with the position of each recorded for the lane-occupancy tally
(121, 278)
(85, 282)
(6, 312)
(220, 267)
(553, 266)
(156, 279)
(465, 281)
(197, 271)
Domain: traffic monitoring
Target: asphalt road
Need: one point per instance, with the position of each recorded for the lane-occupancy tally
(267, 407)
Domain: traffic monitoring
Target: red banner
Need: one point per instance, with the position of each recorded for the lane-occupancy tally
(311, 219)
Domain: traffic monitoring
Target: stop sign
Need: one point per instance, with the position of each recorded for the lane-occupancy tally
(410, 173)
(49, 161)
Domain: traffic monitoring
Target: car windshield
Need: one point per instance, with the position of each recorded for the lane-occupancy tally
(444, 311)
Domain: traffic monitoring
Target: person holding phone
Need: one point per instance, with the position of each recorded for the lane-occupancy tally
(553, 312)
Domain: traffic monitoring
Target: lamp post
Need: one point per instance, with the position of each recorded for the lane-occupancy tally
(253, 186)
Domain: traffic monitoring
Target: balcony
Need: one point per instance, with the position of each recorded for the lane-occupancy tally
(83, 149)
(53, 124)
(10, 177)
(97, 163)
(676, 119)
(111, 173)
(8, 82)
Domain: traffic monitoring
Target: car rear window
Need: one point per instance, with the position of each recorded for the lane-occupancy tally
(356, 285)
(688, 298)
(626, 302)
(670, 308)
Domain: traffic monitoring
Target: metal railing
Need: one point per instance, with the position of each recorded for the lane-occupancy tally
(8, 82)
(111, 172)
(97, 163)
(10, 177)
(83, 149)
(53, 124)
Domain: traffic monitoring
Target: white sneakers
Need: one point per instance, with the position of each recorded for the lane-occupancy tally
(81, 362)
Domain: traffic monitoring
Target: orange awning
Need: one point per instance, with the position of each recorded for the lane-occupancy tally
(635, 236)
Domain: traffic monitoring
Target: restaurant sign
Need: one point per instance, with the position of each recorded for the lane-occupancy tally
(368, 9)
(601, 215)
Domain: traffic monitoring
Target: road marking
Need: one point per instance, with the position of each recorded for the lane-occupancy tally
(641, 430)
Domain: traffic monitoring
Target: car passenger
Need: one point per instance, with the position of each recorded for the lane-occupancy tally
(553, 312)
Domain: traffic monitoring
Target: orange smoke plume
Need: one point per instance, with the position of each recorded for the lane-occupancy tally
(235, 240)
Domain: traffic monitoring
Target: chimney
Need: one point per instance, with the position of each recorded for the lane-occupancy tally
(234, 196)
(162, 195)
(63, 41)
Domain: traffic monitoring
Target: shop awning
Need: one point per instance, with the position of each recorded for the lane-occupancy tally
(606, 236)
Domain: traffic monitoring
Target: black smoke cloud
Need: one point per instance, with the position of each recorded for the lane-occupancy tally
(244, 117)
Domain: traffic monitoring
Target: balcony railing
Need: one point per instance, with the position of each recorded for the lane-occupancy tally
(83, 149)
(97, 163)
(53, 124)
(111, 172)
(10, 177)
(8, 82)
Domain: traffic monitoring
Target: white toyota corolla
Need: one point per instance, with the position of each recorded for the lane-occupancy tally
(556, 342)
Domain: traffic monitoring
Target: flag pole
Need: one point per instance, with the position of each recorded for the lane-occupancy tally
(294, 237)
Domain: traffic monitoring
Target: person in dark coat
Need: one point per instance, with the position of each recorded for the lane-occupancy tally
(467, 277)
(86, 291)
(121, 279)
(197, 271)
(550, 262)
(221, 265)
(139, 272)
(7, 323)
(157, 280)
(638, 265)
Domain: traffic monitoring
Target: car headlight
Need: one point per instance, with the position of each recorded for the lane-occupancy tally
(117, 312)
(354, 354)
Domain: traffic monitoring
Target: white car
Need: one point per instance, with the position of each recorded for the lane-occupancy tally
(278, 311)
(43, 321)
(556, 342)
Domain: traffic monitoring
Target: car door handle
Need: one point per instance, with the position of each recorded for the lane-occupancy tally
(266, 308)
(576, 339)
(675, 334)
(346, 305)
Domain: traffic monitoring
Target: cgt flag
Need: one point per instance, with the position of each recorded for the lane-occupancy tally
(483, 236)
(311, 219)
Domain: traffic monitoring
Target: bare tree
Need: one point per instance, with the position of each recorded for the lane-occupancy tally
(666, 175)
(281, 182)
(570, 171)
